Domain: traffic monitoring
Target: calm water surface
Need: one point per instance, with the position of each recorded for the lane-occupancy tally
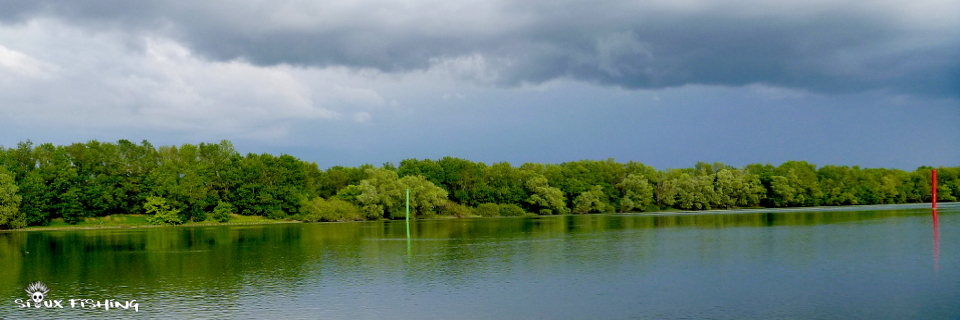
(873, 262)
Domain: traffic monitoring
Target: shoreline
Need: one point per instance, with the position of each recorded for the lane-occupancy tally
(867, 207)
(855, 207)
(143, 226)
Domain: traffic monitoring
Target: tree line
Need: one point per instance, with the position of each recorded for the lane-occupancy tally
(175, 184)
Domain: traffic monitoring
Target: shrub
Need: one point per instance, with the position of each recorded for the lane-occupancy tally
(332, 209)
(198, 216)
(162, 213)
(511, 210)
(488, 210)
(451, 208)
(223, 210)
(277, 214)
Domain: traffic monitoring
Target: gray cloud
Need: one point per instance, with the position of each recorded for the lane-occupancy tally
(57, 76)
(829, 46)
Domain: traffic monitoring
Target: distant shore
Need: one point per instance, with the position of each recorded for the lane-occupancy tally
(134, 221)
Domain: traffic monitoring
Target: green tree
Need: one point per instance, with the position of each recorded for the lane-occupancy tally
(336, 178)
(350, 194)
(784, 194)
(379, 191)
(637, 193)
(666, 188)
(950, 179)
(502, 184)
(577, 177)
(838, 184)
(462, 179)
(71, 205)
(10, 215)
(695, 192)
(271, 186)
(383, 194)
(590, 201)
(222, 211)
(797, 186)
(429, 169)
(38, 198)
(737, 188)
(178, 179)
(425, 197)
(545, 199)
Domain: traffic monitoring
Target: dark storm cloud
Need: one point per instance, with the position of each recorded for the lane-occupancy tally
(824, 47)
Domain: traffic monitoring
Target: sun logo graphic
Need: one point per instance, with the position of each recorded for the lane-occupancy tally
(37, 291)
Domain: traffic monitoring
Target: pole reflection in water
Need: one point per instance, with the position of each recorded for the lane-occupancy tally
(936, 241)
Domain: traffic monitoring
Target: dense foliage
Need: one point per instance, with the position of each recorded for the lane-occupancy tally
(10, 215)
(39, 183)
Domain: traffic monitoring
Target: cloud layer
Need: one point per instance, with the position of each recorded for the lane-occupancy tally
(822, 46)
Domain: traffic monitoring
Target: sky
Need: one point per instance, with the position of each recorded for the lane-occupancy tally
(668, 83)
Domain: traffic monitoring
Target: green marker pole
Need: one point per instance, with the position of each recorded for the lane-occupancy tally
(408, 213)
(408, 222)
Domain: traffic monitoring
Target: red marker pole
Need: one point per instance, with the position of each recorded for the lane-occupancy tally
(936, 242)
(934, 188)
